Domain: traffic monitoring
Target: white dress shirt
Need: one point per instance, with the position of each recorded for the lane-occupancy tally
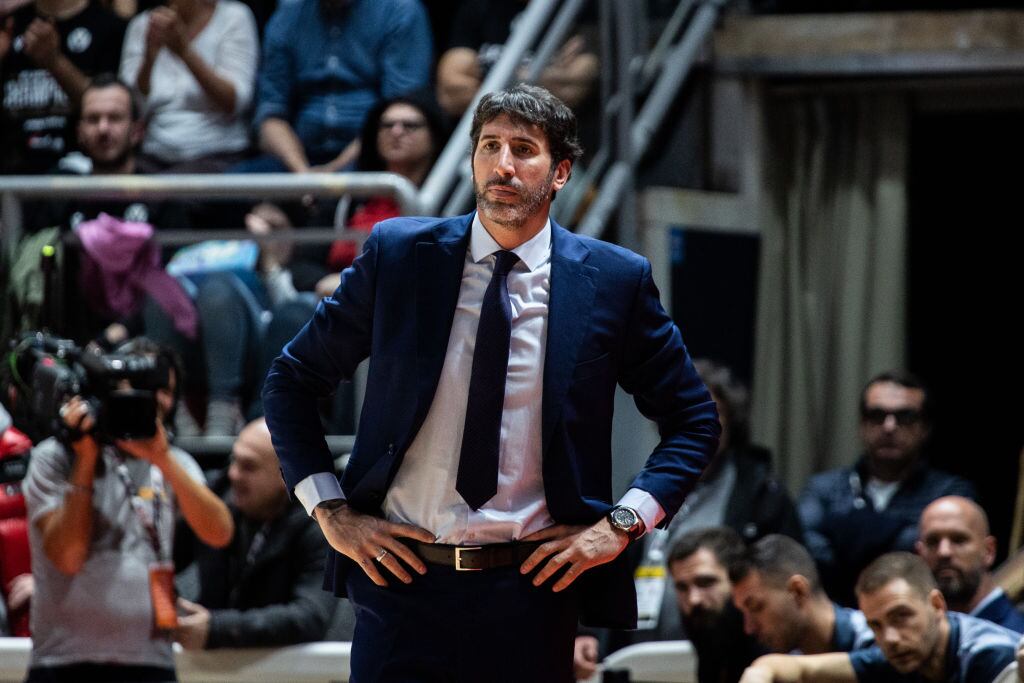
(423, 491)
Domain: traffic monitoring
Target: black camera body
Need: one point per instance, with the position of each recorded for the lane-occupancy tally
(119, 387)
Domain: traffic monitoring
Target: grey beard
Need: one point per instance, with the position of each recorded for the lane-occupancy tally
(513, 216)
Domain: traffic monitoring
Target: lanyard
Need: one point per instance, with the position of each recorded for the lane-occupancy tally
(151, 523)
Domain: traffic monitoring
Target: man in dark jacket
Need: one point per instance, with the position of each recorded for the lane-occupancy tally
(264, 589)
(852, 515)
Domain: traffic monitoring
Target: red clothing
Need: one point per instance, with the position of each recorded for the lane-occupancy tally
(373, 211)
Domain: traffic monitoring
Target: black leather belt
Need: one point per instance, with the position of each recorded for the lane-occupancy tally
(475, 558)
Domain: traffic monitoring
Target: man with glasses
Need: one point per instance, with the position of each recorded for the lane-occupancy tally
(852, 515)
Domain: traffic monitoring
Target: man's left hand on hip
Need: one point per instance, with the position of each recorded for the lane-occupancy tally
(577, 547)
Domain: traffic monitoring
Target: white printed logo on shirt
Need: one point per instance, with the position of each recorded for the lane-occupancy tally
(79, 40)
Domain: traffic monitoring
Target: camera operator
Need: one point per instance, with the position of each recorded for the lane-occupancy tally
(101, 524)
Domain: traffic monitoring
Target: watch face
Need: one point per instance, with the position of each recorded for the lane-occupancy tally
(624, 518)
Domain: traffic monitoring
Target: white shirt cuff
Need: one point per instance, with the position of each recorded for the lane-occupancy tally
(644, 504)
(317, 488)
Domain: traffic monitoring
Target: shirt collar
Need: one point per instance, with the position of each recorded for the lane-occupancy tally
(534, 253)
(996, 593)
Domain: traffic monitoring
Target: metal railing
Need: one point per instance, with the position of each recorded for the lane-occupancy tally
(638, 87)
(451, 165)
(658, 81)
(14, 189)
(647, 82)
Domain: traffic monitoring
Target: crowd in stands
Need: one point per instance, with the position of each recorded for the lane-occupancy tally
(92, 87)
(767, 588)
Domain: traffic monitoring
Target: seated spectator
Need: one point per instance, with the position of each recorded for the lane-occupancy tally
(109, 127)
(699, 563)
(917, 638)
(478, 33)
(784, 605)
(194, 62)
(738, 489)
(49, 49)
(851, 515)
(264, 588)
(401, 135)
(326, 63)
(246, 315)
(956, 544)
(102, 517)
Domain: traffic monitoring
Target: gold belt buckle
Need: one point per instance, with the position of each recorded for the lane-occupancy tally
(458, 560)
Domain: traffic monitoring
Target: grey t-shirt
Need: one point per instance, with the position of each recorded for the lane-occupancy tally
(104, 612)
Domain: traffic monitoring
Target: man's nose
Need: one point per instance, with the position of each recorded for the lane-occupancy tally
(945, 548)
(890, 422)
(890, 635)
(749, 626)
(504, 166)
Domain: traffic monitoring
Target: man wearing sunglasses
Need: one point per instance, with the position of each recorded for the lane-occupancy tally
(851, 515)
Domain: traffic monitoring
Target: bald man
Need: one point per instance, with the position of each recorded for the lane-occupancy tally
(956, 544)
(263, 590)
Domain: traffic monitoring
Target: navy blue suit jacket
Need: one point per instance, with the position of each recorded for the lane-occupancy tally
(605, 326)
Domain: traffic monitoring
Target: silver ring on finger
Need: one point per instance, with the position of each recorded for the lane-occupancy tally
(383, 554)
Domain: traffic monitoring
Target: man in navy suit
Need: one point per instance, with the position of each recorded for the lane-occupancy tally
(481, 474)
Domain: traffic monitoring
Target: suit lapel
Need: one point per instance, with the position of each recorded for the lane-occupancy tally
(573, 285)
(439, 264)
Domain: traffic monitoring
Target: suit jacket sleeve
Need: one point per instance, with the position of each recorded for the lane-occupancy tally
(327, 350)
(656, 369)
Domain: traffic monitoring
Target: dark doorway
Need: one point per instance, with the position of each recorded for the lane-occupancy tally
(714, 301)
(966, 306)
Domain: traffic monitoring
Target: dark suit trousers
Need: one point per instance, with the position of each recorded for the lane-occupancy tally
(461, 627)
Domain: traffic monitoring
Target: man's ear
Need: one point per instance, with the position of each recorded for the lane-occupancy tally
(990, 551)
(936, 600)
(799, 587)
(563, 169)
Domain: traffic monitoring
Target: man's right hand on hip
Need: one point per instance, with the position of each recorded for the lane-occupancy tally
(369, 541)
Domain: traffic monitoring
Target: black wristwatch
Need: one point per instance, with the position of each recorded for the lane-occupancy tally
(626, 519)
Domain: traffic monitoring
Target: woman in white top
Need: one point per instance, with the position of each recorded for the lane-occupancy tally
(194, 63)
